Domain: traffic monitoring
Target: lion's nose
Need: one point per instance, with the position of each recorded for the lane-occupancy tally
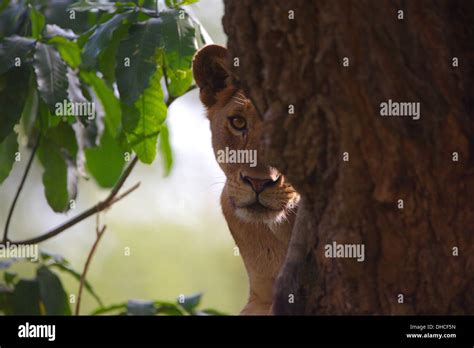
(258, 184)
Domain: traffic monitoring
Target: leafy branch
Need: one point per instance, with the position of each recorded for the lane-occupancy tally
(111, 199)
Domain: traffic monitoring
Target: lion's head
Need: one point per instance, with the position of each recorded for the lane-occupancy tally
(257, 192)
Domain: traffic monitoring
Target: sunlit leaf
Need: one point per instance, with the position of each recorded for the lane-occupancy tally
(37, 22)
(165, 149)
(108, 100)
(152, 110)
(68, 50)
(106, 161)
(180, 45)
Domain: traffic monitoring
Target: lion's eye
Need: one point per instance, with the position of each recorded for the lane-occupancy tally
(238, 122)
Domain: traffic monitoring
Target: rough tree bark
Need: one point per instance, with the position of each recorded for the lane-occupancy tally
(299, 62)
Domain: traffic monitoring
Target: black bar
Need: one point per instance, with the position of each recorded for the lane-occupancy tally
(233, 329)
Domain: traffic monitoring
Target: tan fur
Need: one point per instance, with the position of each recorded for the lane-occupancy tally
(261, 231)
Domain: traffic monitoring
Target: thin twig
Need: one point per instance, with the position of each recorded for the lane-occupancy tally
(100, 233)
(111, 199)
(18, 191)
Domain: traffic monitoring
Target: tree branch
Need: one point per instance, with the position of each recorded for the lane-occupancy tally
(20, 188)
(110, 200)
(100, 232)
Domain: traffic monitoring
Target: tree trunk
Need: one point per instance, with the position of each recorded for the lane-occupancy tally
(401, 187)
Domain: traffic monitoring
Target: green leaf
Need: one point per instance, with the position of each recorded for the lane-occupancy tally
(30, 111)
(64, 267)
(57, 153)
(12, 19)
(9, 277)
(136, 59)
(6, 300)
(87, 5)
(168, 308)
(4, 4)
(165, 149)
(14, 49)
(107, 57)
(68, 50)
(46, 118)
(178, 3)
(108, 309)
(210, 311)
(52, 293)
(101, 38)
(56, 258)
(51, 76)
(108, 100)
(106, 161)
(152, 109)
(190, 302)
(180, 46)
(12, 98)
(8, 149)
(37, 22)
(140, 307)
(26, 298)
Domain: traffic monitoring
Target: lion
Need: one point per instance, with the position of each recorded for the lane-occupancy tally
(257, 201)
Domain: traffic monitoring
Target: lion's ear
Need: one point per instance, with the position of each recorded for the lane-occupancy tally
(211, 73)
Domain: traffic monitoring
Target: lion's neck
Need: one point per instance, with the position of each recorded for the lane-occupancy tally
(262, 247)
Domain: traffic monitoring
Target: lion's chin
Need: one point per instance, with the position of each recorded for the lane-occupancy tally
(257, 213)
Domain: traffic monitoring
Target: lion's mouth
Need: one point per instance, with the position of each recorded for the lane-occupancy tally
(258, 207)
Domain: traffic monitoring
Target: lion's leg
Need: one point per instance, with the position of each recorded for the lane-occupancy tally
(255, 306)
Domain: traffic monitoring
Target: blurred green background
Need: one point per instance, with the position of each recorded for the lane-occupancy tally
(178, 239)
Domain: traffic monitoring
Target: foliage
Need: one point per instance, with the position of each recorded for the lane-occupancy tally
(88, 85)
(124, 59)
(45, 294)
